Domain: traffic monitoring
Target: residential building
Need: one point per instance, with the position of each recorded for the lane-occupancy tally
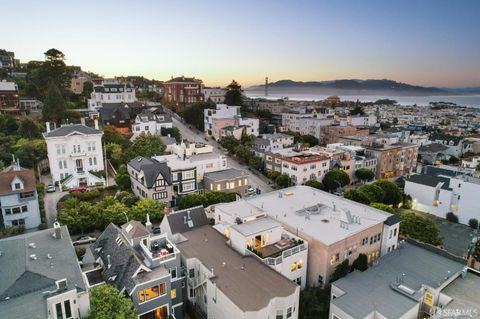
(304, 167)
(7, 59)
(183, 174)
(116, 114)
(471, 162)
(186, 149)
(151, 123)
(331, 133)
(214, 94)
(360, 157)
(411, 282)
(75, 154)
(394, 160)
(456, 144)
(151, 179)
(236, 131)
(270, 142)
(18, 197)
(177, 222)
(28, 104)
(339, 159)
(202, 162)
(41, 277)
(9, 101)
(335, 228)
(111, 91)
(433, 152)
(182, 91)
(273, 159)
(226, 284)
(146, 267)
(76, 85)
(230, 180)
(439, 191)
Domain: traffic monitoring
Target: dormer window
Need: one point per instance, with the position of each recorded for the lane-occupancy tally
(18, 186)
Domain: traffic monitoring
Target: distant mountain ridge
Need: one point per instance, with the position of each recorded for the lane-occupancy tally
(361, 86)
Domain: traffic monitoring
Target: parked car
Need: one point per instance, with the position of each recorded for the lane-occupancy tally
(51, 188)
(79, 189)
(250, 190)
(85, 240)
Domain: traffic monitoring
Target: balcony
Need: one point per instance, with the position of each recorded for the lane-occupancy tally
(158, 249)
(80, 171)
(275, 253)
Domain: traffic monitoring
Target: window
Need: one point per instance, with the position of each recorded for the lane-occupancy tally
(390, 234)
(173, 293)
(191, 273)
(299, 265)
(90, 161)
(173, 272)
(188, 186)
(58, 310)
(17, 186)
(293, 267)
(279, 314)
(395, 232)
(94, 161)
(289, 312)
(188, 175)
(16, 210)
(151, 293)
(18, 222)
(68, 310)
(334, 259)
(160, 195)
(7, 211)
(24, 208)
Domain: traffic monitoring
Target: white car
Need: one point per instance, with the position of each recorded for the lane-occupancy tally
(84, 240)
(51, 188)
(251, 190)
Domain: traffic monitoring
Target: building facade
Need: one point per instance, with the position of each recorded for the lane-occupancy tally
(18, 197)
(9, 100)
(228, 181)
(75, 154)
(214, 94)
(111, 91)
(182, 91)
(150, 123)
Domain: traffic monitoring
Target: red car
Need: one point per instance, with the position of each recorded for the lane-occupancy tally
(79, 189)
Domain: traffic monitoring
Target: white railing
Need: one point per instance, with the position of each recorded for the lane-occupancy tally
(273, 261)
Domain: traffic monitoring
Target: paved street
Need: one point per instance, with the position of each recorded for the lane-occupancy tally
(194, 135)
(51, 200)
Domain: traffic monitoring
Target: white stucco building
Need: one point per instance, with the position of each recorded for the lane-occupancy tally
(214, 94)
(150, 123)
(111, 91)
(75, 154)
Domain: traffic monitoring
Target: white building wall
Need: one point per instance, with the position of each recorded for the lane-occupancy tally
(390, 238)
(300, 173)
(31, 216)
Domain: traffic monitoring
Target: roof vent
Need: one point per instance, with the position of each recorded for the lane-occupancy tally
(57, 230)
(49, 256)
(33, 257)
(32, 245)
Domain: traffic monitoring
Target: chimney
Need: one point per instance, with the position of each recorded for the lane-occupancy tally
(82, 121)
(184, 219)
(188, 215)
(47, 124)
(57, 230)
(148, 224)
(96, 124)
(109, 264)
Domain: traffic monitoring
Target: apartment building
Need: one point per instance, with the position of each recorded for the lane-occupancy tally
(332, 133)
(111, 91)
(202, 162)
(183, 174)
(182, 91)
(75, 154)
(268, 142)
(440, 190)
(226, 284)
(304, 167)
(28, 104)
(18, 197)
(9, 101)
(186, 149)
(394, 160)
(148, 122)
(414, 281)
(214, 94)
(151, 179)
(41, 277)
(335, 228)
(230, 180)
(456, 144)
(145, 266)
(433, 152)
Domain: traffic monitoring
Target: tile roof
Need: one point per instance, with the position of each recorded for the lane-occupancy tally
(151, 168)
(134, 229)
(248, 283)
(9, 173)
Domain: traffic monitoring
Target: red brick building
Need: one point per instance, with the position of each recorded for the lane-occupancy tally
(9, 100)
(182, 91)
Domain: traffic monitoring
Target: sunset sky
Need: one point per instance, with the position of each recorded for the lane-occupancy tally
(424, 42)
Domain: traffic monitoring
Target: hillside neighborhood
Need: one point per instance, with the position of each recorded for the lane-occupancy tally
(129, 197)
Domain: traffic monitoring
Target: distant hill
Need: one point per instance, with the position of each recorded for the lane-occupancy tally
(353, 86)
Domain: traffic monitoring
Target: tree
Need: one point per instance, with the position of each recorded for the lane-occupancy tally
(334, 179)
(357, 110)
(453, 160)
(173, 132)
(30, 152)
(340, 271)
(111, 135)
(283, 180)
(476, 251)
(127, 198)
(364, 174)
(473, 222)
(87, 89)
(29, 128)
(419, 228)
(393, 195)
(234, 94)
(229, 143)
(78, 216)
(207, 199)
(146, 206)
(357, 196)
(114, 153)
(31, 90)
(374, 192)
(314, 303)
(146, 145)
(256, 162)
(123, 179)
(194, 114)
(361, 263)
(8, 124)
(54, 105)
(244, 153)
(314, 183)
(383, 207)
(106, 302)
(54, 70)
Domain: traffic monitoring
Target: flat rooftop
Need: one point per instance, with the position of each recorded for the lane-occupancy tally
(226, 174)
(464, 292)
(247, 282)
(256, 226)
(371, 290)
(324, 216)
